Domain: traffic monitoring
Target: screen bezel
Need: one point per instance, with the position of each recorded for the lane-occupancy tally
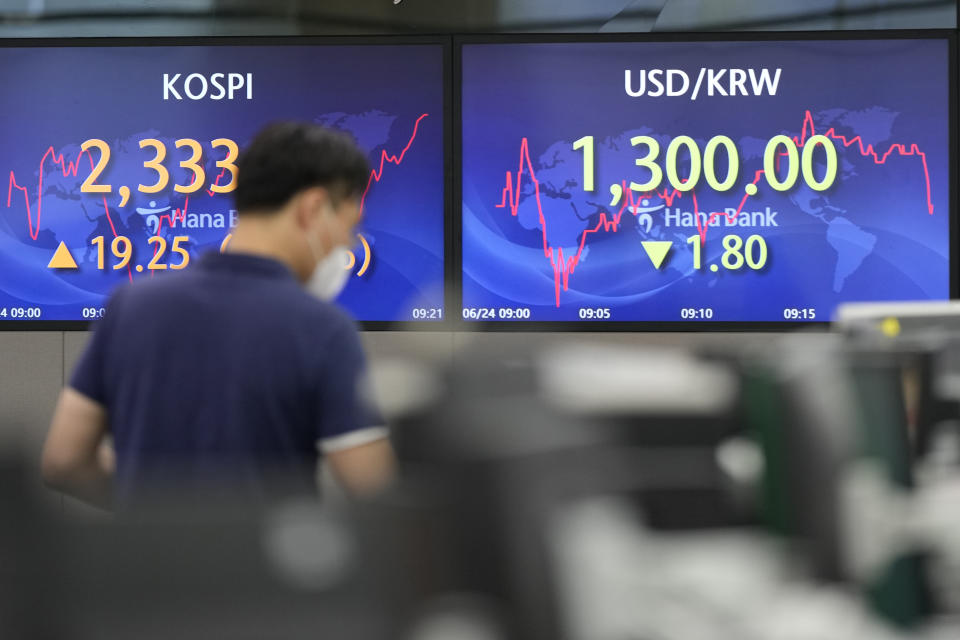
(600, 326)
(445, 44)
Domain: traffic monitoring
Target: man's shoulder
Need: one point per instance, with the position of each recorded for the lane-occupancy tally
(288, 301)
(333, 319)
(284, 302)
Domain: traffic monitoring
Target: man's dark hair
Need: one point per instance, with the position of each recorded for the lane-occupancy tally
(285, 158)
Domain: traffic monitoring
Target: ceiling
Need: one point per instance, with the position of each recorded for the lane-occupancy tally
(285, 17)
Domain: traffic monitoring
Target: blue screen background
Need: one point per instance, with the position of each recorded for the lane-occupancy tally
(59, 97)
(869, 237)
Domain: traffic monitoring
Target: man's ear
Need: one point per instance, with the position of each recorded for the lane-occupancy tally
(308, 205)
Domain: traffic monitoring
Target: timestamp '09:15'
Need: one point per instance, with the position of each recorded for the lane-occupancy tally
(800, 313)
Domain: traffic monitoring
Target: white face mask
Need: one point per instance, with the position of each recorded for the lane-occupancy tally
(330, 275)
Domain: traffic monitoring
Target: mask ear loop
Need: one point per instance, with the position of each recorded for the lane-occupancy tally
(318, 257)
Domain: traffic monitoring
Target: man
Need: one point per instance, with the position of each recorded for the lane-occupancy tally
(229, 375)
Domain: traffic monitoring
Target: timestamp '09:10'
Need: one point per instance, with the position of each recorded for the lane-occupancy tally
(696, 313)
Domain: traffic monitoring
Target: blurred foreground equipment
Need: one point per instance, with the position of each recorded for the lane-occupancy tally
(585, 492)
(804, 490)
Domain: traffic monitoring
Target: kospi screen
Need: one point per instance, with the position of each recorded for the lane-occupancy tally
(704, 181)
(119, 164)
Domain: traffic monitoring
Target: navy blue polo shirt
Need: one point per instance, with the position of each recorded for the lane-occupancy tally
(228, 375)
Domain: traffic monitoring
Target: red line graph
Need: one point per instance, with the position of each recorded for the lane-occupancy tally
(563, 265)
(69, 168)
(377, 173)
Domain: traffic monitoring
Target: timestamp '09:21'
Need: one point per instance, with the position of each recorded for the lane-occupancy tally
(427, 313)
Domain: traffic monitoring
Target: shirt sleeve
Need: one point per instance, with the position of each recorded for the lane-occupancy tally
(348, 415)
(89, 375)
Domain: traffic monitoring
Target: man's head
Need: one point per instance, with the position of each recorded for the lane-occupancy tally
(306, 182)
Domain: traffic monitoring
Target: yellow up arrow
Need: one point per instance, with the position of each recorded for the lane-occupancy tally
(62, 258)
(657, 250)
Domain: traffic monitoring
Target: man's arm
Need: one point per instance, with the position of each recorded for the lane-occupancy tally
(351, 432)
(363, 470)
(76, 457)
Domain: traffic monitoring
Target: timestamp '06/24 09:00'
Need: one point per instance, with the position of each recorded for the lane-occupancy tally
(496, 313)
(21, 313)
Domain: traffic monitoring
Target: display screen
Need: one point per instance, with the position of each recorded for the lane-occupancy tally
(734, 181)
(120, 165)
